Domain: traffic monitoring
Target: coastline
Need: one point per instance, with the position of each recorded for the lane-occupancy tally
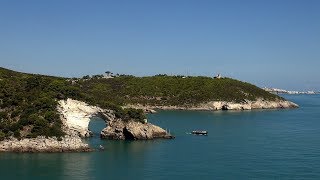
(220, 105)
(45, 144)
(75, 116)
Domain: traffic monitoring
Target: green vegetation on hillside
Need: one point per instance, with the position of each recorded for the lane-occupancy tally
(28, 102)
(170, 90)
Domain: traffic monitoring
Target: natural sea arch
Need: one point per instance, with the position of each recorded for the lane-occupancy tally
(96, 125)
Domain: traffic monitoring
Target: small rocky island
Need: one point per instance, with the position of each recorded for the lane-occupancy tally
(133, 130)
(41, 113)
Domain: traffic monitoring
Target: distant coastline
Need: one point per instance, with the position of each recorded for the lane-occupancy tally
(283, 91)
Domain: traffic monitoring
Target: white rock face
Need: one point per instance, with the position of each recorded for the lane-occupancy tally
(76, 116)
(223, 105)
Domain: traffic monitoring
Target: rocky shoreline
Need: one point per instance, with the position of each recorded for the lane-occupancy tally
(76, 115)
(221, 105)
(45, 144)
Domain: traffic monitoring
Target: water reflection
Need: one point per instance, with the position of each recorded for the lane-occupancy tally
(44, 166)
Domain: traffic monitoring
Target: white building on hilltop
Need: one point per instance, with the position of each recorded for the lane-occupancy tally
(218, 76)
(108, 75)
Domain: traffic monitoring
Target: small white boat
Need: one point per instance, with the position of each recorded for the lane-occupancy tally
(198, 132)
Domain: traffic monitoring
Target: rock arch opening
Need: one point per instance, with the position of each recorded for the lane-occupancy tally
(96, 125)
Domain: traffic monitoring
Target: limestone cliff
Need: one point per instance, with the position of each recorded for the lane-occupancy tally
(75, 116)
(222, 105)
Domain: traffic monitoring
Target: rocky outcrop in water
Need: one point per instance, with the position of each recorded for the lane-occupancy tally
(133, 130)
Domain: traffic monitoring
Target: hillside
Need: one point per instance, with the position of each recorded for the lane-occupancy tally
(171, 90)
(28, 102)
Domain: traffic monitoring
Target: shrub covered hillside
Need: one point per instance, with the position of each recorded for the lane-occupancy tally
(28, 104)
(171, 90)
(28, 101)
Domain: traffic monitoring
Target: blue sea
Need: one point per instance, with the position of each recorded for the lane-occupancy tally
(258, 144)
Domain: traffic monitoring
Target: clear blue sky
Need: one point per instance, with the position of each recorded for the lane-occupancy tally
(266, 42)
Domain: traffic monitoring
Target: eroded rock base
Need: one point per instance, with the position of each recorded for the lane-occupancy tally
(133, 130)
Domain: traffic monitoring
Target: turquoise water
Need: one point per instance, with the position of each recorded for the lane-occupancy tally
(264, 144)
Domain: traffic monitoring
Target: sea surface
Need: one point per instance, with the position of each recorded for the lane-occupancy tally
(258, 144)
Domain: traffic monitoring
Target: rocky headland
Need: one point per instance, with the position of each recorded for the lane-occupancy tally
(75, 116)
